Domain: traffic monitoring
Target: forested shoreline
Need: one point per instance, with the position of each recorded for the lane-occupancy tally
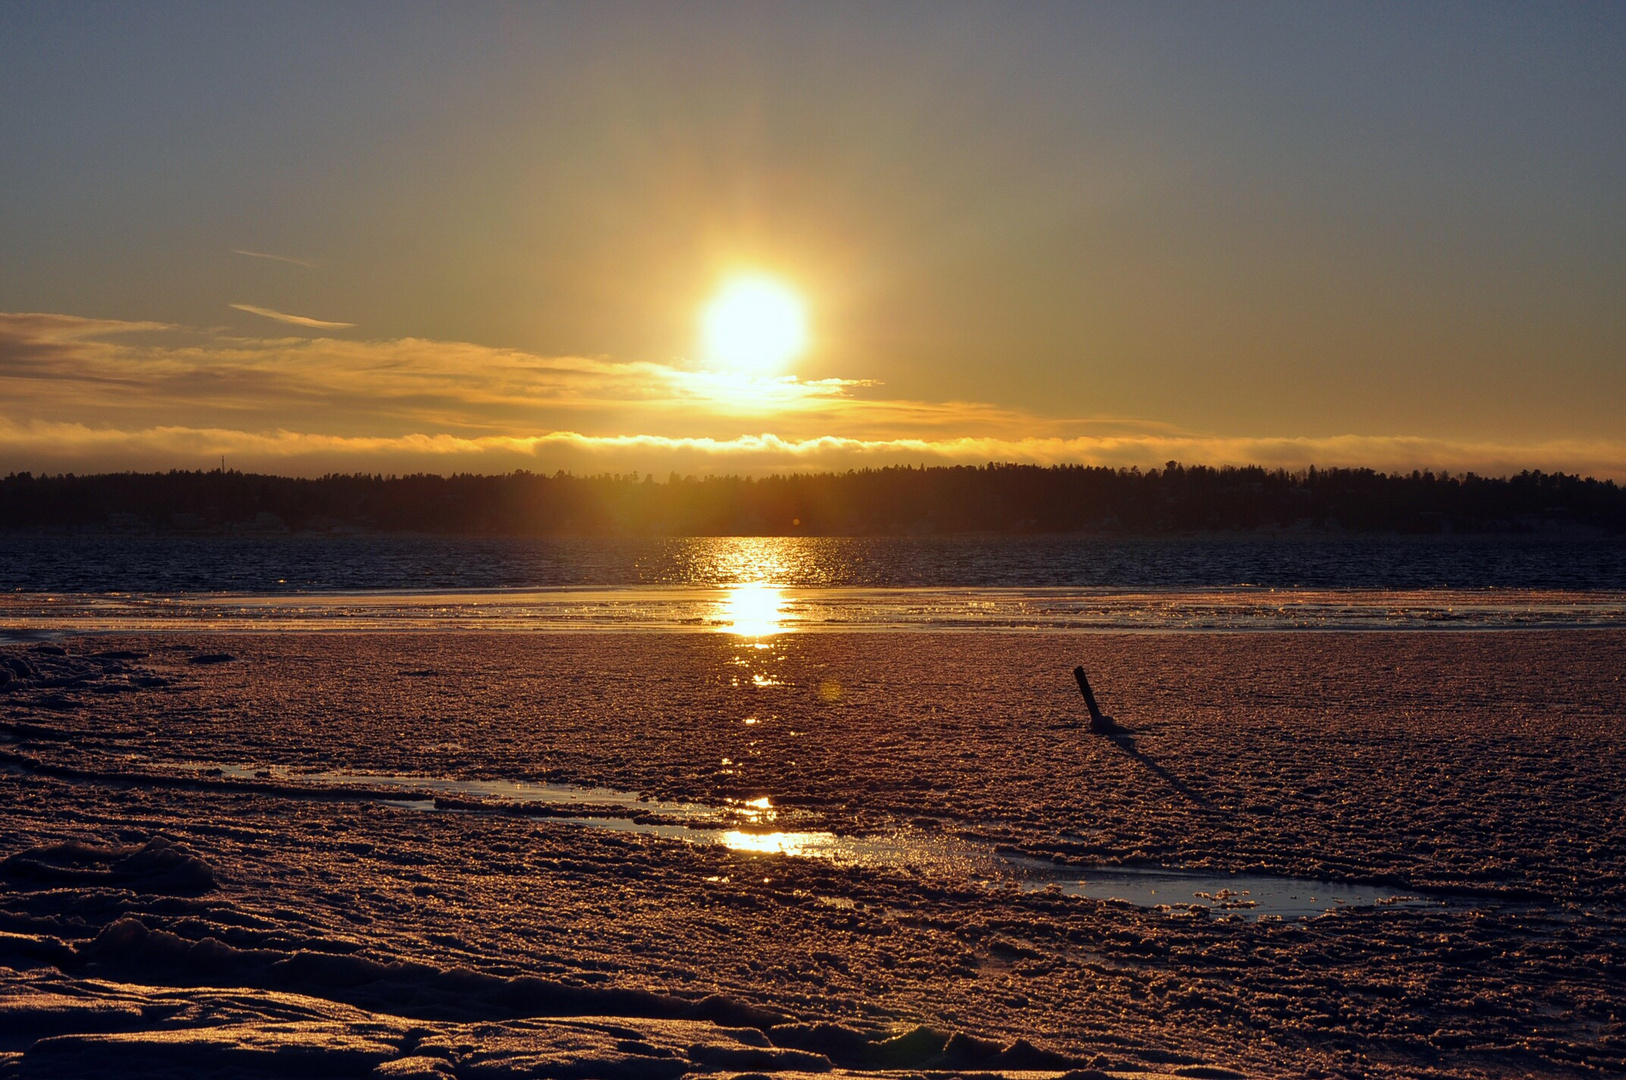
(994, 498)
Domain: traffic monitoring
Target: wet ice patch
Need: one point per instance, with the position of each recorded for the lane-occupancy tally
(756, 826)
(1253, 896)
(771, 610)
(752, 826)
(523, 792)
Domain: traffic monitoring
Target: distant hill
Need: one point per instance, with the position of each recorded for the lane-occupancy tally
(982, 499)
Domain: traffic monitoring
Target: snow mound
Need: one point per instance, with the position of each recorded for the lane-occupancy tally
(159, 866)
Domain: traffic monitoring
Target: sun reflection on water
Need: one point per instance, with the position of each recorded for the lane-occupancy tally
(776, 843)
(756, 811)
(754, 610)
(742, 560)
(751, 570)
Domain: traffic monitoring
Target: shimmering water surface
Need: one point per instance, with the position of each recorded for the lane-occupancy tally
(300, 564)
(758, 587)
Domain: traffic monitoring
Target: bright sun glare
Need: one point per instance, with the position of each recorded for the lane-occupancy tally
(753, 324)
(753, 610)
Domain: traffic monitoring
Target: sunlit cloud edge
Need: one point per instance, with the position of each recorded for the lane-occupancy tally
(98, 394)
(61, 445)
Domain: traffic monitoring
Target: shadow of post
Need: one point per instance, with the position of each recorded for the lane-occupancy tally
(1126, 742)
(1104, 725)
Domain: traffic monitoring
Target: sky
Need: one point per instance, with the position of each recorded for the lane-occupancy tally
(404, 237)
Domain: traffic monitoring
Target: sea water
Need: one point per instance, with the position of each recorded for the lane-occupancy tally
(758, 586)
(301, 563)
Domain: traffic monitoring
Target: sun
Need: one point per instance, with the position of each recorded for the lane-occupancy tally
(754, 324)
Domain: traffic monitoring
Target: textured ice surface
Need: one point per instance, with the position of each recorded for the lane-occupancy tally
(329, 927)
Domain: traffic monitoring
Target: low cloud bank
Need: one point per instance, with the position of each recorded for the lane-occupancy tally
(59, 447)
(99, 395)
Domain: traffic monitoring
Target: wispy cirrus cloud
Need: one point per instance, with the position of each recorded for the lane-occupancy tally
(94, 394)
(307, 264)
(293, 320)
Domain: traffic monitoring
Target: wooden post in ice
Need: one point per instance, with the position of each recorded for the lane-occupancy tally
(1100, 723)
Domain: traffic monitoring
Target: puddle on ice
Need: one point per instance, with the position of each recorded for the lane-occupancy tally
(747, 826)
(1253, 896)
(518, 791)
(739, 826)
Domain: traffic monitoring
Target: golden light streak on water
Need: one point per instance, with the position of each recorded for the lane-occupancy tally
(776, 843)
